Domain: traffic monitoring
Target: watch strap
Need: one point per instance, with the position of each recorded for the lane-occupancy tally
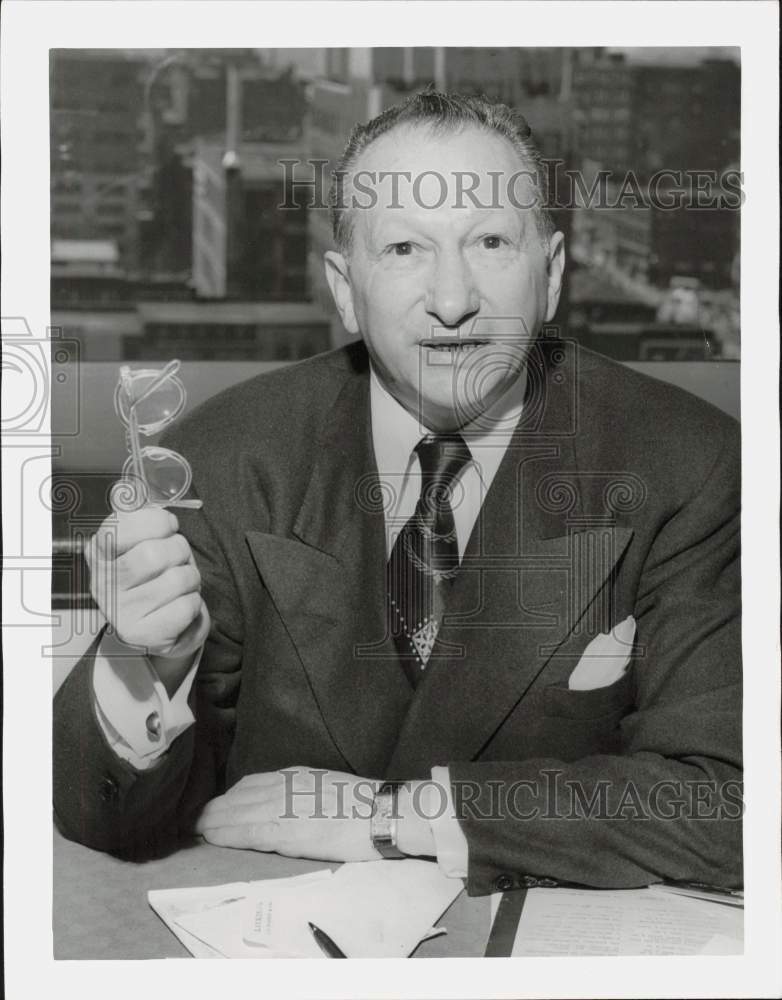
(383, 825)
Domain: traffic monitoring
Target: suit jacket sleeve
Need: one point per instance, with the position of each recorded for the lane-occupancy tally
(667, 805)
(106, 803)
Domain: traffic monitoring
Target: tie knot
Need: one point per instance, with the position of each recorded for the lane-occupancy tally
(442, 458)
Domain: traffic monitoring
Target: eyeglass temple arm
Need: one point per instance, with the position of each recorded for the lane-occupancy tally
(171, 369)
(135, 449)
(187, 504)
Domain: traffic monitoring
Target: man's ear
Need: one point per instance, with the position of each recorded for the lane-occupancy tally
(556, 269)
(339, 283)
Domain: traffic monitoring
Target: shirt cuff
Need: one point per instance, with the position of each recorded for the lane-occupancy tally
(138, 719)
(449, 839)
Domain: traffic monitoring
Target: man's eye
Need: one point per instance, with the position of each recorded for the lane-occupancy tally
(491, 242)
(402, 249)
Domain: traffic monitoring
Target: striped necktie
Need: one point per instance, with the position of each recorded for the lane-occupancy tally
(425, 556)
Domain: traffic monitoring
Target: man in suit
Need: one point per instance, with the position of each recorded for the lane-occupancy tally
(461, 556)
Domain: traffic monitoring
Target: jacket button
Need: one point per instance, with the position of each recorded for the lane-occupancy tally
(108, 789)
(153, 726)
(503, 883)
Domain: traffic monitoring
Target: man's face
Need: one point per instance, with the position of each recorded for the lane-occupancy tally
(447, 279)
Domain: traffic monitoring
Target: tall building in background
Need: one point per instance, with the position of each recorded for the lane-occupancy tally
(686, 116)
(602, 105)
(244, 245)
(97, 171)
(120, 127)
(197, 137)
(689, 118)
(189, 96)
(191, 91)
(642, 118)
(249, 235)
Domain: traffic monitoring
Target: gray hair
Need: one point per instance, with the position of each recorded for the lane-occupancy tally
(443, 113)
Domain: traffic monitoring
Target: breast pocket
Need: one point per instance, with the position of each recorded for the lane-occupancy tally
(615, 699)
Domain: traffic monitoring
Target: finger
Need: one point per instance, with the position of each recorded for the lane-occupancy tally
(120, 532)
(262, 779)
(224, 810)
(195, 634)
(228, 811)
(173, 619)
(263, 793)
(175, 582)
(250, 837)
(150, 559)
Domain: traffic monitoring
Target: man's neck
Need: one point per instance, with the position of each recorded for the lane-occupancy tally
(498, 414)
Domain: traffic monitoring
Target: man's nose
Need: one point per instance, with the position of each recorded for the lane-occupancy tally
(452, 296)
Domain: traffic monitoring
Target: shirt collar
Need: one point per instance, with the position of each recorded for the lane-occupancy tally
(395, 431)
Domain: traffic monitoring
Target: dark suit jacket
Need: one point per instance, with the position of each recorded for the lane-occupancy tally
(619, 495)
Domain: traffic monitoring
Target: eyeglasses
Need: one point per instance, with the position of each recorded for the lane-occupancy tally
(147, 400)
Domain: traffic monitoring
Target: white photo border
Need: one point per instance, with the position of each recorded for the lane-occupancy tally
(29, 31)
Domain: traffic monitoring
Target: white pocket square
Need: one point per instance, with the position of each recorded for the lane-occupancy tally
(605, 659)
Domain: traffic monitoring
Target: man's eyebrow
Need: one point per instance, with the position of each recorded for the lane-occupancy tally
(384, 228)
(391, 227)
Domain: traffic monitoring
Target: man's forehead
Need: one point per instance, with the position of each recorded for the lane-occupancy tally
(415, 171)
(420, 147)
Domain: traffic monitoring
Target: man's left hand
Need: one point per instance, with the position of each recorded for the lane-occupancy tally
(300, 812)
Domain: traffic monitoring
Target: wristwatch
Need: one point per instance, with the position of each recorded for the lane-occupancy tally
(383, 825)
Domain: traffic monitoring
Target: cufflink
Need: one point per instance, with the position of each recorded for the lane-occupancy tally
(154, 729)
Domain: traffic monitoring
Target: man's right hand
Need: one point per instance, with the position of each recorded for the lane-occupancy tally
(144, 579)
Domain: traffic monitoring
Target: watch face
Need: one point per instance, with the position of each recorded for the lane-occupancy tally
(385, 810)
(383, 822)
(382, 815)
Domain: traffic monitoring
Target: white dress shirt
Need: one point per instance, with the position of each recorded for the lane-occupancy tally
(126, 697)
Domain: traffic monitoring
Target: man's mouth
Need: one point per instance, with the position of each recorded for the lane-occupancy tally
(456, 346)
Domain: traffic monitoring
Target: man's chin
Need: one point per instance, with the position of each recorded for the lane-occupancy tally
(444, 413)
(463, 395)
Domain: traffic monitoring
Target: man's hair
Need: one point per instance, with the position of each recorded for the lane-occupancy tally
(443, 113)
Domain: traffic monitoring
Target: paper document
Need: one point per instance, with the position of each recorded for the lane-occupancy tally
(217, 905)
(369, 909)
(169, 904)
(376, 909)
(625, 922)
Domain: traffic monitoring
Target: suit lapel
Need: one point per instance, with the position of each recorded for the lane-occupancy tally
(328, 586)
(530, 571)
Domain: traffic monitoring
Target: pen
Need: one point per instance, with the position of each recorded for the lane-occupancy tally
(325, 943)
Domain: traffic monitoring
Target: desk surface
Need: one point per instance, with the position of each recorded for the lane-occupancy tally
(101, 908)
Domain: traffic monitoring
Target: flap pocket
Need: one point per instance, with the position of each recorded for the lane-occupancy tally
(613, 699)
